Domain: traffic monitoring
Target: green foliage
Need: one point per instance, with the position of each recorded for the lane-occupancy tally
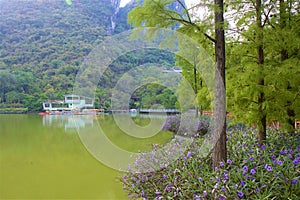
(157, 13)
(190, 71)
(13, 110)
(280, 73)
(252, 171)
(44, 43)
(19, 87)
(129, 63)
(151, 94)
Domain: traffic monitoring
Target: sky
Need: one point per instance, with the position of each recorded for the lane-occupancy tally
(124, 2)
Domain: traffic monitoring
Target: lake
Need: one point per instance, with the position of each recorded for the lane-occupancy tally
(44, 157)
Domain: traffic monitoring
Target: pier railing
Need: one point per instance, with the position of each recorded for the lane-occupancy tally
(149, 110)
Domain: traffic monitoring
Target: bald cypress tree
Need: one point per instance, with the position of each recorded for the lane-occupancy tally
(155, 13)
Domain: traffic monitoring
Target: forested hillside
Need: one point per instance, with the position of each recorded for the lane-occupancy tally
(43, 44)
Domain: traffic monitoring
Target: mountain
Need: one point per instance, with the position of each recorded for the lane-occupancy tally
(44, 42)
(32, 30)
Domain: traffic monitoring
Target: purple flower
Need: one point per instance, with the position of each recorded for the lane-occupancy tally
(157, 192)
(279, 162)
(216, 186)
(218, 179)
(253, 171)
(221, 198)
(268, 167)
(262, 147)
(245, 168)
(294, 181)
(251, 158)
(200, 166)
(197, 198)
(229, 161)
(257, 190)
(273, 157)
(189, 154)
(200, 179)
(221, 164)
(169, 187)
(296, 162)
(258, 144)
(242, 183)
(236, 186)
(164, 176)
(223, 188)
(282, 152)
(225, 176)
(204, 193)
(240, 194)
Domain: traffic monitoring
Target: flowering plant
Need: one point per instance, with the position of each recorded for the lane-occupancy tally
(187, 125)
(252, 171)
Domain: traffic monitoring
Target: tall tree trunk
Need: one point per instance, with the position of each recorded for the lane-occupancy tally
(284, 56)
(262, 123)
(195, 89)
(200, 106)
(220, 150)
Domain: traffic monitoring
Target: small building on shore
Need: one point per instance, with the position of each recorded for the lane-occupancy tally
(71, 102)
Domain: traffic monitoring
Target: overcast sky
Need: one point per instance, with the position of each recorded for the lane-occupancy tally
(124, 2)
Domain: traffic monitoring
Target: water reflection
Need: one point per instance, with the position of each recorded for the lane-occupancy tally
(70, 122)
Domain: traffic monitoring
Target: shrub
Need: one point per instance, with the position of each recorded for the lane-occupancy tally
(172, 123)
(187, 125)
(252, 171)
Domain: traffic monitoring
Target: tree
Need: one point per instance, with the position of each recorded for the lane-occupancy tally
(155, 13)
(220, 151)
(285, 22)
(7, 84)
(191, 74)
(264, 68)
(262, 122)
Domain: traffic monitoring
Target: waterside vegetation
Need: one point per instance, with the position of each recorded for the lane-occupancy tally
(251, 171)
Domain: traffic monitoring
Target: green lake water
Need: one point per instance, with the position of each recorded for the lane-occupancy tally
(43, 157)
